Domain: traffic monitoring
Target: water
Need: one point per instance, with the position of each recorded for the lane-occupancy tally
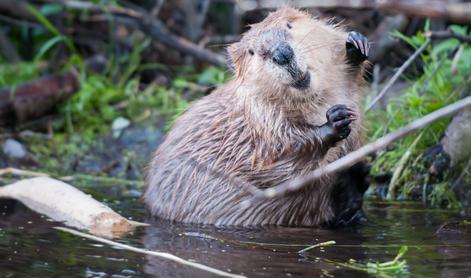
(29, 247)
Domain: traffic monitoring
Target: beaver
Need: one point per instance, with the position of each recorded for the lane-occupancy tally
(292, 106)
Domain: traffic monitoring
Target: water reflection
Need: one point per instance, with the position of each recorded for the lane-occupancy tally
(29, 247)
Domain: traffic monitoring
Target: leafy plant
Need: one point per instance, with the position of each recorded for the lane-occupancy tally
(442, 79)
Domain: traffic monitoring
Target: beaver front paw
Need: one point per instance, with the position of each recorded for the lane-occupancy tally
(339, 118)
(357, 47)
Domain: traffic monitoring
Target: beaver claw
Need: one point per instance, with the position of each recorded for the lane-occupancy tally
(357, 47)
(339, 118)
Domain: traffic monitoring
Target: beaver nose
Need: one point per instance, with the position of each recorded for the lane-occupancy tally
(283, 54)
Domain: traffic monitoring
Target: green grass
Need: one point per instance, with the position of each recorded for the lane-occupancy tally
(441, 82)
(394, 268)
(103, 97)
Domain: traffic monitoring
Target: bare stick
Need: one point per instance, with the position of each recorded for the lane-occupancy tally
(19, 172)
(356, 156)
(163, 255)
(398, 74)
(327, 243)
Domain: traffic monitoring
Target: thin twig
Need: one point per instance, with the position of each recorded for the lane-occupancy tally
(431, 35)
(163, 255)
(448, 34)
(103, 179)
(398, 74)
(356, 156)
(321, 244)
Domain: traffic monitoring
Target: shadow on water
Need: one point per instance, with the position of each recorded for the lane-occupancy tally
(30, 247)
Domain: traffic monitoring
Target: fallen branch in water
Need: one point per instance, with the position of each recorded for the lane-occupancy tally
(163, 255)
(356, 156)
(64, 203)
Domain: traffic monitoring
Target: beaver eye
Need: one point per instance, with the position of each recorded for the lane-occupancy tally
(251, 52)
(289, 25)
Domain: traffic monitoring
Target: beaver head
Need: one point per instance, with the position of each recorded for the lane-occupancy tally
(289, 52)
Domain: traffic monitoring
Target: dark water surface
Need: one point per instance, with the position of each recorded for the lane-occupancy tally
(29, 247)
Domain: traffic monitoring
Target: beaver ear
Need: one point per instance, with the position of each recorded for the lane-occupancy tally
(236, 55)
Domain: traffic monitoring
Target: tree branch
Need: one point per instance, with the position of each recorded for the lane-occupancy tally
(356, 156)
(458, 12)
(152, 27)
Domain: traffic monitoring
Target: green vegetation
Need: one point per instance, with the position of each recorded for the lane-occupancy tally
(116, 92)
(120, 92)
(444, 77)
(395, 268)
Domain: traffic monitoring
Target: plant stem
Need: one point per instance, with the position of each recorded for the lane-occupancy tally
(327, 243)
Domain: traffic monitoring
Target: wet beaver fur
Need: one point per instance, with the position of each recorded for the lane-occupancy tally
(293, 105)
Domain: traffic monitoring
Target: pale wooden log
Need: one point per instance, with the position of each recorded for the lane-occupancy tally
(64, 203)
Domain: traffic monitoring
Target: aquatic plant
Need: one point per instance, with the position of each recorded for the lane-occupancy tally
(393, 268)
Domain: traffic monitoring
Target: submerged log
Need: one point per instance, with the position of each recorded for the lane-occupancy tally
(64, 203)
